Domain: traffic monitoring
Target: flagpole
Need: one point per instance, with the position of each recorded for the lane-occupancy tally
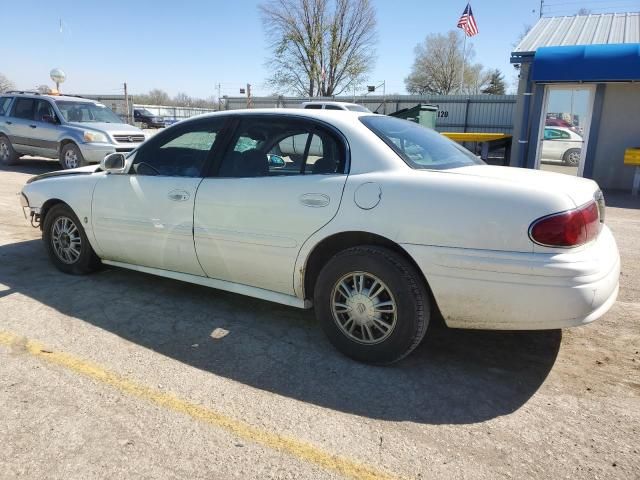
(464, 52)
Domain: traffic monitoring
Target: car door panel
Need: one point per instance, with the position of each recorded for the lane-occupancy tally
(147, 220)
(250, 230)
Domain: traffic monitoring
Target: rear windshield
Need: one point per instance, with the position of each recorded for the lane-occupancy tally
(418, 146)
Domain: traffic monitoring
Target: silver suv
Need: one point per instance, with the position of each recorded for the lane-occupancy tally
(74, 130)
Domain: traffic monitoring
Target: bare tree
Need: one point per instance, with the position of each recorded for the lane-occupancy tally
(438, 64)
(319, 47)
(5, 84)
(182, 100)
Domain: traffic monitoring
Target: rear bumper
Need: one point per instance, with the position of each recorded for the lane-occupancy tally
(522, 291)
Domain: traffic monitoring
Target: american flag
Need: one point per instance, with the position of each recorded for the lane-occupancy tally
(467, 22)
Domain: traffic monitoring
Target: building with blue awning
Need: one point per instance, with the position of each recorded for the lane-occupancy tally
(578, 108)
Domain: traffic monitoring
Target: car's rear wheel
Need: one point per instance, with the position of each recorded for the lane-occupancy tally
(71, 156)
(8, 156)
(373, 304)
(67, 243)
(572, 157)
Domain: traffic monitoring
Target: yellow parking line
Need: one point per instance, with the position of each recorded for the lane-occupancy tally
(291, 446)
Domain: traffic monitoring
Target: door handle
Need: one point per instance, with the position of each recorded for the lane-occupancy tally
(314, 200)
(178, 195)
(33, 126)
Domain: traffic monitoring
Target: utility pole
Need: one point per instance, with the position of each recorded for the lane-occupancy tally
(219, 97)
(541, 7)
(248, 95)
(126, 102)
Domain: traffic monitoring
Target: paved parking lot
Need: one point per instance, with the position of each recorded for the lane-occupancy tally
(124, 375)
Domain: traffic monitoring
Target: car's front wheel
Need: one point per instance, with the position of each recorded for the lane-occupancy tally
(67, 243)
(373, 304)
(8, 156)
(71, 156)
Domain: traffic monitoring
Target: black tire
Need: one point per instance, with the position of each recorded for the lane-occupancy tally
(71, 157)
(405, 287)
(572, 157)
(87, 261)
(8, 156)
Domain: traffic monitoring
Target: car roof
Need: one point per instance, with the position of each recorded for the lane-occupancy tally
(66, 98)
(330, 115)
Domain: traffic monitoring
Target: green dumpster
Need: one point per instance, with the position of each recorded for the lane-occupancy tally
(424, 114)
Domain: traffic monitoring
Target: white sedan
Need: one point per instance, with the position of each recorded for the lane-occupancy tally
(561, 143)
(378, 223)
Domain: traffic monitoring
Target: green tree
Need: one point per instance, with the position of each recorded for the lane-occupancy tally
(496, 85)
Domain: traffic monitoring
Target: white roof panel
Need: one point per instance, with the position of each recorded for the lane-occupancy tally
(582, 30)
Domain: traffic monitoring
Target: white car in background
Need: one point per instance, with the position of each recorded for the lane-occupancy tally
(378, 223)
(331, 105)
(561, 143)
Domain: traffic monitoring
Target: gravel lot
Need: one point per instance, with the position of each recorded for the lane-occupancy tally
(124, 375)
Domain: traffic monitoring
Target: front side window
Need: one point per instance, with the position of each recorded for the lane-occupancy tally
(313, 106)
(333, 107)
(85, 112)
(180, 152)
(268, 146)
(44, 110)
(419, 147)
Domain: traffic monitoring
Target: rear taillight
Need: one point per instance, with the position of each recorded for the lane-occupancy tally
(567, 229)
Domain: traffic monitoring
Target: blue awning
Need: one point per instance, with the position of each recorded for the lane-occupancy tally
(587, 63)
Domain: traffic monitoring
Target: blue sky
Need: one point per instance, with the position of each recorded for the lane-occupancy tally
(193, 45)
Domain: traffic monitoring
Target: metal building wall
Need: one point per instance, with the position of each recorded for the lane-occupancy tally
(456, 113)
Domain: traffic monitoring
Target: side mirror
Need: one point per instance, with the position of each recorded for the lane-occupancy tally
(276, 161)
(50, 119)
(113, 163)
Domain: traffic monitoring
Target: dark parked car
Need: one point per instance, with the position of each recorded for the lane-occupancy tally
(148, 119)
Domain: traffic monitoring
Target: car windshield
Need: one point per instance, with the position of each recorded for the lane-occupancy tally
(87, 112)
(146, 112)
(357, 108)
(418, 146)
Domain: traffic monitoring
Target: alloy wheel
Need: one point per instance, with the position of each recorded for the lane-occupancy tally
(66, 240)
(71, 159)
(4, 151)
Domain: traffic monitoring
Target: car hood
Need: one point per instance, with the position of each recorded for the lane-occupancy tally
(108, 127)
(579, 190)
(88, 170)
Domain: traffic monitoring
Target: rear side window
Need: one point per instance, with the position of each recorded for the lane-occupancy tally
(419, 147)
(268, 146)
(24, 108)
(5, 102)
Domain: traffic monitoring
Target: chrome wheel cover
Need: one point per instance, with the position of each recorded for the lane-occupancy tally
(574, 158)
(71, 159)
(364, 308)
(66, 240)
